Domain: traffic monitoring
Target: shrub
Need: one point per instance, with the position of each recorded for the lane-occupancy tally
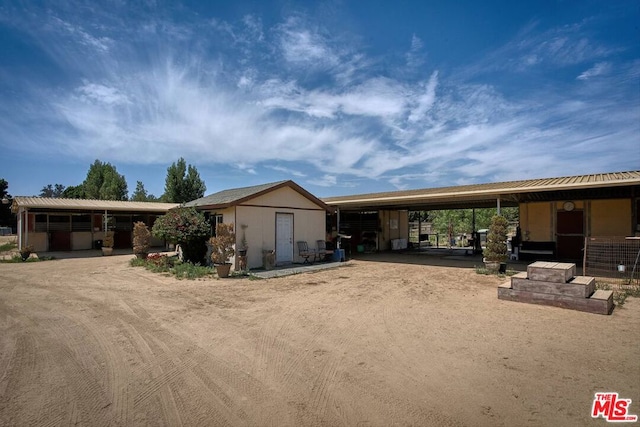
(186, 270)
(141, 238)
(496, 249)
(186, 227)
(158, 263)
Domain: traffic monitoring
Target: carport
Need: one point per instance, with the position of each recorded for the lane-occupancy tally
(556, 214)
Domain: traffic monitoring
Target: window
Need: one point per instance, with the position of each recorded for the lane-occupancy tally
(215, 219)
(81, 222)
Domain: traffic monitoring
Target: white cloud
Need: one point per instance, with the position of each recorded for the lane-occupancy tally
(301, 45)
(324, 181)
(326, 113)
(287, 171)
(600, 69)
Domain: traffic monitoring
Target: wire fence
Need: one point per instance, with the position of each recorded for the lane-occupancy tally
(613, 260)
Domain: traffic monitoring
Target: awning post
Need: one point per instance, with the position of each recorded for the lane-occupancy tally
(338, 227)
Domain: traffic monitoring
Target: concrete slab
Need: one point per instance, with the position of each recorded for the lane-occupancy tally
(296, 269)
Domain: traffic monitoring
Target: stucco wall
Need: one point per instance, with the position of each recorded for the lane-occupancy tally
(602, 217)
(81, 240)
(284, 197)
(39, 241)
(611, 217)
(535, 221)
(308, 225)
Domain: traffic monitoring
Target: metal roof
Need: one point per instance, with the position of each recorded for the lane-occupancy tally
(480, 195)
(50, 203)
(236, 196)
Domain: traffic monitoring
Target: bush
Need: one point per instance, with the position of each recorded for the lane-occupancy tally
(186, 270)
(141, 238)
(496, 249)
(186, 227)
(158, 263)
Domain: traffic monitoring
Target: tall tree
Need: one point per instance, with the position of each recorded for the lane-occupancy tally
(73, 192)
(141, 195)
(7, 219)
(103, 182)
(183, 184)
(55, 191)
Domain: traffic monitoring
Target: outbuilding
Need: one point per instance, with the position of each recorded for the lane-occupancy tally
(268, 218)
(556, 214)
(59, 224)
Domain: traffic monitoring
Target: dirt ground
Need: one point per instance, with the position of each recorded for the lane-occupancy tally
(383, 340)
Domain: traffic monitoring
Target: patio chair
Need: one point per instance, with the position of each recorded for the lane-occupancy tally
(323, 253)
(305, 252)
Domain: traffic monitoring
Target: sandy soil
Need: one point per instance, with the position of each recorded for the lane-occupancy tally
(388, 340)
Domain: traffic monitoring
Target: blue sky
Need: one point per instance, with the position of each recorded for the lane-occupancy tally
(343, 97)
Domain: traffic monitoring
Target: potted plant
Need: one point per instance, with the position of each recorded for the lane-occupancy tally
(242, 251)
(107, 243)
(222, 248)
(495, 252)
(141, 239)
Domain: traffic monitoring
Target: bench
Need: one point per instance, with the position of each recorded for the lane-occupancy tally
(537, 250)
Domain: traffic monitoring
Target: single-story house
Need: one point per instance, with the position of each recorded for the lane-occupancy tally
(58, 224)
(268, 217)
(556, 214)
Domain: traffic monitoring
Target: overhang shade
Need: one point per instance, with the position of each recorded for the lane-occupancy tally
(52, 204)
(604, 185)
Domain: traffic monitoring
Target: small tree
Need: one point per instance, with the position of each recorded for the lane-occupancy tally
(141, 238)
(222, 244)
(186, 227)
(496, 250)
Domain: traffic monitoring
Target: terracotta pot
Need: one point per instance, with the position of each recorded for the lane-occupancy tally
(106, 251)
(223, 270)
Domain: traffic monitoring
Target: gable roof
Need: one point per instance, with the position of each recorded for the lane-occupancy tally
(51, 203)
(485, 195)
(236, 196)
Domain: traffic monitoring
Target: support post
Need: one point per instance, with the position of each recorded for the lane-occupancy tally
(338, 227)
(26, 227)
(498, 206)
(20, 228)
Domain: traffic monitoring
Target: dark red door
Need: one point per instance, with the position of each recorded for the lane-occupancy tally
(570, 235)
(60, 241)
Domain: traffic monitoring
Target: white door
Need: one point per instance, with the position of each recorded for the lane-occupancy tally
(284, 238)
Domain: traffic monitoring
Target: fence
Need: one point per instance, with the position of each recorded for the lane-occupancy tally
(613, 260)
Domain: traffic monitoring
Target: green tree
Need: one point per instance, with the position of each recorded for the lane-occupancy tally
(186, 227)
(141, 195)
(183, 184)
(73, 192)
(7, 219)
(54, 191)
(461, 220)
(103, 182)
